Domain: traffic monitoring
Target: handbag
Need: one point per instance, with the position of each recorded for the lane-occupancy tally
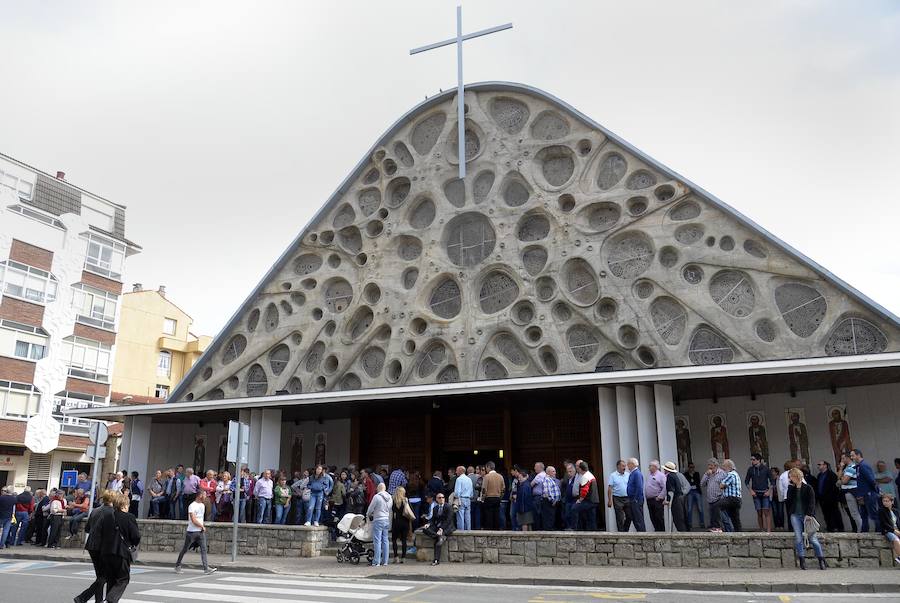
(306, 495)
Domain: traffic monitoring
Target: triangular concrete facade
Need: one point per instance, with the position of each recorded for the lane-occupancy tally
(566, 250)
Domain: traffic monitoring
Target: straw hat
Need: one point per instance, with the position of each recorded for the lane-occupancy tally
(670, 467)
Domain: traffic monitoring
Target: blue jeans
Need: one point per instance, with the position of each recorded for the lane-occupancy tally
(797, 524)
(694, 499)
(569, 517)
(74, 520)
(6, 525)
(155, 503)
(281, 512)
(464, 515)
(263, 510)
(380, 529)
(242, 512)
(872, 502)
(24, 519)
(300, 511)
(314, 507)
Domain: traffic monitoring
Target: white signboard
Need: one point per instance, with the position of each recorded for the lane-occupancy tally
(42, 431)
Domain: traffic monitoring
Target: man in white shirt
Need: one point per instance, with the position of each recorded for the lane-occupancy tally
(617, 496)
(196, 533)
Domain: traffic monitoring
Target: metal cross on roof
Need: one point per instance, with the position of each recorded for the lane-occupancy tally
(460, 94)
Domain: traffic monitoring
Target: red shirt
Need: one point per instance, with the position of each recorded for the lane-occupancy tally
(209, 486)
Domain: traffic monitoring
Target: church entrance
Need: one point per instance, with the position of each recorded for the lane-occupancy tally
(510, 428)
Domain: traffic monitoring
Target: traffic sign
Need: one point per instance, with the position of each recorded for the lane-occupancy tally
(69, 479)
(101, 452)
(98, 433)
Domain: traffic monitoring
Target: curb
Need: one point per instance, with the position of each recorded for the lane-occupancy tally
(757, 587)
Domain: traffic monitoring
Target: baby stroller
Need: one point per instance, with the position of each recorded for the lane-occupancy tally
(355, 539)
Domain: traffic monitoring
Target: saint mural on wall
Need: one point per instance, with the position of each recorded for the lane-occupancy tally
(297, 453)
(683, 441)
(199, 454)
(321, 441)
(718, 436)
(839, 430)
(222, 464)
(798, 438)
(756, 431)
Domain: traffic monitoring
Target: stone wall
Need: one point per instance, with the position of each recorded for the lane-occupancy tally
(253, 539)
(744, 550)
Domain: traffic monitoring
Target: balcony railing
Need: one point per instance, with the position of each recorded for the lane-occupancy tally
(73, 425)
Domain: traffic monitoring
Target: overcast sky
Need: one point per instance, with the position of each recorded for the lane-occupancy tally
(223, 126)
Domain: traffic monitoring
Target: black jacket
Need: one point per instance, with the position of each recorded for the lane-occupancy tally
(827, 484)
(886, 520)
(807, 498)
(92, 528)
(442, 517)
(118, 532)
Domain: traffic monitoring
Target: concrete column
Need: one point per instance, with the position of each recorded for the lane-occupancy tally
(139, 453)
(255, 433)
(609, 444)
(126, 443)
(648, 440)
(665, 424)
(626, 414)
(270, 439)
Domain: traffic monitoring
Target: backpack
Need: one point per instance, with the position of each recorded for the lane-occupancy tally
(685, 484)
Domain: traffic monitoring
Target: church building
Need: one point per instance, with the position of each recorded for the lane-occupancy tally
(569, 298)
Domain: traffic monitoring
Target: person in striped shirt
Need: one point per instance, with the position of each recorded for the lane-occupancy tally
(731, 494)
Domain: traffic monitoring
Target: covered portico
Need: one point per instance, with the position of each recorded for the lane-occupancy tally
(626, 413)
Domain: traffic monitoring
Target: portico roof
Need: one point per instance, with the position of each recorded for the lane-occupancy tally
(688, 382)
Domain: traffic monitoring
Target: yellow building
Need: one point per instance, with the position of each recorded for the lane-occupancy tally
(154, 347)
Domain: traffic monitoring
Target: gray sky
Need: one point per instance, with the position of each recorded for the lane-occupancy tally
(223, 126)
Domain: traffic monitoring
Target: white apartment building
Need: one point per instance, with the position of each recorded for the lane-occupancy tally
(62, 258)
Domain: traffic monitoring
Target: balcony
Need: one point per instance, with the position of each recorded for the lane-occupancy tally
(73, 425)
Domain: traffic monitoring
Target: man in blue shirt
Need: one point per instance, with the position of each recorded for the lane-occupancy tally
(617, 496)
(463, 491)
(866, 490)
(635, 492)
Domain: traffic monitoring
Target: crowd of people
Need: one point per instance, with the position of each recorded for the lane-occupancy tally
(399, 502)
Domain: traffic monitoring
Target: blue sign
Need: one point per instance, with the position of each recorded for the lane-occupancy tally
(69, 479)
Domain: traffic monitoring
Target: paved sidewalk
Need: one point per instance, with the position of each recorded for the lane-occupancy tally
(856, 580)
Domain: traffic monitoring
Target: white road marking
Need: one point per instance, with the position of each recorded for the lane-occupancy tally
(180, 595)
(320, 584)
(285, 591)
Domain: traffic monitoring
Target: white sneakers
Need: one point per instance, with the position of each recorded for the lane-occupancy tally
(306, 524)
(315, 524)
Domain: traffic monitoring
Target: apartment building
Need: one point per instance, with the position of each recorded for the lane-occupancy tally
(63, 252)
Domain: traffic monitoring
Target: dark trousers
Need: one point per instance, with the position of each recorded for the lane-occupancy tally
(40, 528)
(778, 513)
(679, 514)
(189, 539)
(623, 513)
(569, 517)
(118, 573)
(732, 506)
(637, 515)
(490, 513)
(438, 541)
(401, 536)
(872, 502)
(587, 515)
(55, 527)
(538, 514)
(548, 515)
(657, 514)
(832, 512)
(96, 588)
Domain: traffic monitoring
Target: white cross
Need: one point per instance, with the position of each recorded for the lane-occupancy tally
(460, 93)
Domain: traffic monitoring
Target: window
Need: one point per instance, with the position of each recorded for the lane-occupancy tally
(104, 256)
(37, 215)
(18, 399)
(164, 366)
(30, 351)
(169, 326)
(162, 392)
(95, 307)
(26, 282)
(17, 326)
(21, 187)
(66, 400)
(86, 358)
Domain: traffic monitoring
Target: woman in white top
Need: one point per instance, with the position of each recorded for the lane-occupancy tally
(224, 501)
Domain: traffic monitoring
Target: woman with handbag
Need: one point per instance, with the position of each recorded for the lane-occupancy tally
(401, 521)
(119, 539)
(92, 546)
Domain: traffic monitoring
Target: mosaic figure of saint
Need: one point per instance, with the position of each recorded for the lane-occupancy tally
(718, 438)
(223, 452)
(200, 455)
(839, 430)
(683, 443)
(320, 449)
(798, 438)
(759, 442)
(297, 454)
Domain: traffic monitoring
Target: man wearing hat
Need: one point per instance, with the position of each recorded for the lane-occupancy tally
(676, 488)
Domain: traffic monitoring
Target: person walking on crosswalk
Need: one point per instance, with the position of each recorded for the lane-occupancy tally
(195, 533)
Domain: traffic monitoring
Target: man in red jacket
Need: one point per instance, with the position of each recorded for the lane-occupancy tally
(24, 509)
(77, 512)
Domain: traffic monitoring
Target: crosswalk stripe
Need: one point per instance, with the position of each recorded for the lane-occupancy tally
(180, 595)
(136, 601)
(285, 591)
(319, 584)
(9, 566)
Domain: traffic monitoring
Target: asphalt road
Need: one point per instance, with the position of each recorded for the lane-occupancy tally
(30, 581)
